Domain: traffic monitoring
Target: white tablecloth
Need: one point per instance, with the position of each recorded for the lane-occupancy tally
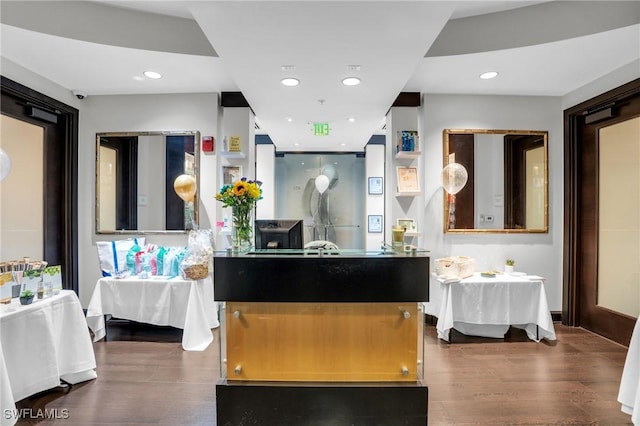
(175, 302)
(629, 394)
(479, 306)
(40, 344)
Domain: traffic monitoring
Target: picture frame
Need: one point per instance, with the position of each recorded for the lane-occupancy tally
(408, 224)
(231, 174)
(375, 185)
(375, 224)
(407, 178)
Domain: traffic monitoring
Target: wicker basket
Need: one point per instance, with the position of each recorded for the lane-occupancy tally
(196, 271)
(459, 266)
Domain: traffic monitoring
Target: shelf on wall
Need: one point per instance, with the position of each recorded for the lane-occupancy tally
(232, 154)
(409, 194)
(402, 155)
(411, 234)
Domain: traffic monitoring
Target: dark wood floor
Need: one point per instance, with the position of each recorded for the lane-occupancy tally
(474, 381)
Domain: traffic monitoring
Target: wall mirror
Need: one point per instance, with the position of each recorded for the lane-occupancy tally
(135, 172)
(507, 186)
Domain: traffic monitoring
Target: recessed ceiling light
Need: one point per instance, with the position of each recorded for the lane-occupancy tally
(290, 81)
(152, 74)
(296, 144)
(342, 144)
(488, 75)
(289, 119)
(351, 81)
(351, 119)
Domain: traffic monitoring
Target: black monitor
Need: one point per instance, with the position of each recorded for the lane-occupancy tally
(279, 234)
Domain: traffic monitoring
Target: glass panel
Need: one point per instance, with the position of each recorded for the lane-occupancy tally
(21, 194)
(322, 342)
(336, 213)
(107, 197)
(535, 188)
(619, 221)
(222, 314)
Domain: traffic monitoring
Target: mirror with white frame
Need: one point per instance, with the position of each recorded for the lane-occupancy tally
(507, 186)
(135, 173)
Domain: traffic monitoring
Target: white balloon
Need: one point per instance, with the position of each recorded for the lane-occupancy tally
(5, 164)
(453, 177)
(322, 183)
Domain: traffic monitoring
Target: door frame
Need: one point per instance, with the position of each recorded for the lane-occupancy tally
(68, 119)
(574, 118)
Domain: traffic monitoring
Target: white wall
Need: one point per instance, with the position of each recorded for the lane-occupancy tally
(539, 254)
(535, 253)
(137, 113)
(375, 204)
(151, 182)
(607, 82)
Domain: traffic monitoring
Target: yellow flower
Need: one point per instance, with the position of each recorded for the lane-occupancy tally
(243, 193)
(254, 191)
(239, 188)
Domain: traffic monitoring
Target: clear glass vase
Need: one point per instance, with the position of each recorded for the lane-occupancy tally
(242, 227)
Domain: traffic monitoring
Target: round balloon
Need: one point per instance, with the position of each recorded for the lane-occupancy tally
(185, 187)
(322, 183)
(5, 164)
(454, 177)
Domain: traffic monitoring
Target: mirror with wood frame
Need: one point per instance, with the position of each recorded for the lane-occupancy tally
(507, 187)
(135, 172)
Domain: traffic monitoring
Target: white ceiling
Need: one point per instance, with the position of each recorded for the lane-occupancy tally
(321, 39)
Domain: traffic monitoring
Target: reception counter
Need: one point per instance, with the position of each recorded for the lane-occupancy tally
(321, 338)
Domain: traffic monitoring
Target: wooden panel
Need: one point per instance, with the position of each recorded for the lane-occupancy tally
(321, 341)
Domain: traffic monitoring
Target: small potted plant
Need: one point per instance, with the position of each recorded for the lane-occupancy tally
(508, 266)
(26, 297)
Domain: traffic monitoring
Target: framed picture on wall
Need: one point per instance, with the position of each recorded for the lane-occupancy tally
(375, 224)
(230, 174)
(408, 179)
(375, 185)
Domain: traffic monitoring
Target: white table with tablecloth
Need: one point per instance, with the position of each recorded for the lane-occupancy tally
(185, 304)
(480, 306)
(629, 393)
(41, 344)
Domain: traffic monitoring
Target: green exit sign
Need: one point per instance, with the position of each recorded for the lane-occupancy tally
(321, 129)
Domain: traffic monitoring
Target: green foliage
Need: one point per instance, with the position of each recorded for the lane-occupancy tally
(26, 293)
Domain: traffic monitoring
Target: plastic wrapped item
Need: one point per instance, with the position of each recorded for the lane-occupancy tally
(195, 265)
(113, 255)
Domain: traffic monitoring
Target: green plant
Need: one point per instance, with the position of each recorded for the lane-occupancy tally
(510, 262)
(26, 293)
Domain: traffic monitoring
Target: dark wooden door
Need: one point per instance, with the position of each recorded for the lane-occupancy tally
(60, 123)
(515, 178)
(588, 242)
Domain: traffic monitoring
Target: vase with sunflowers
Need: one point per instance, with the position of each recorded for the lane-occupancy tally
(241, 196)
